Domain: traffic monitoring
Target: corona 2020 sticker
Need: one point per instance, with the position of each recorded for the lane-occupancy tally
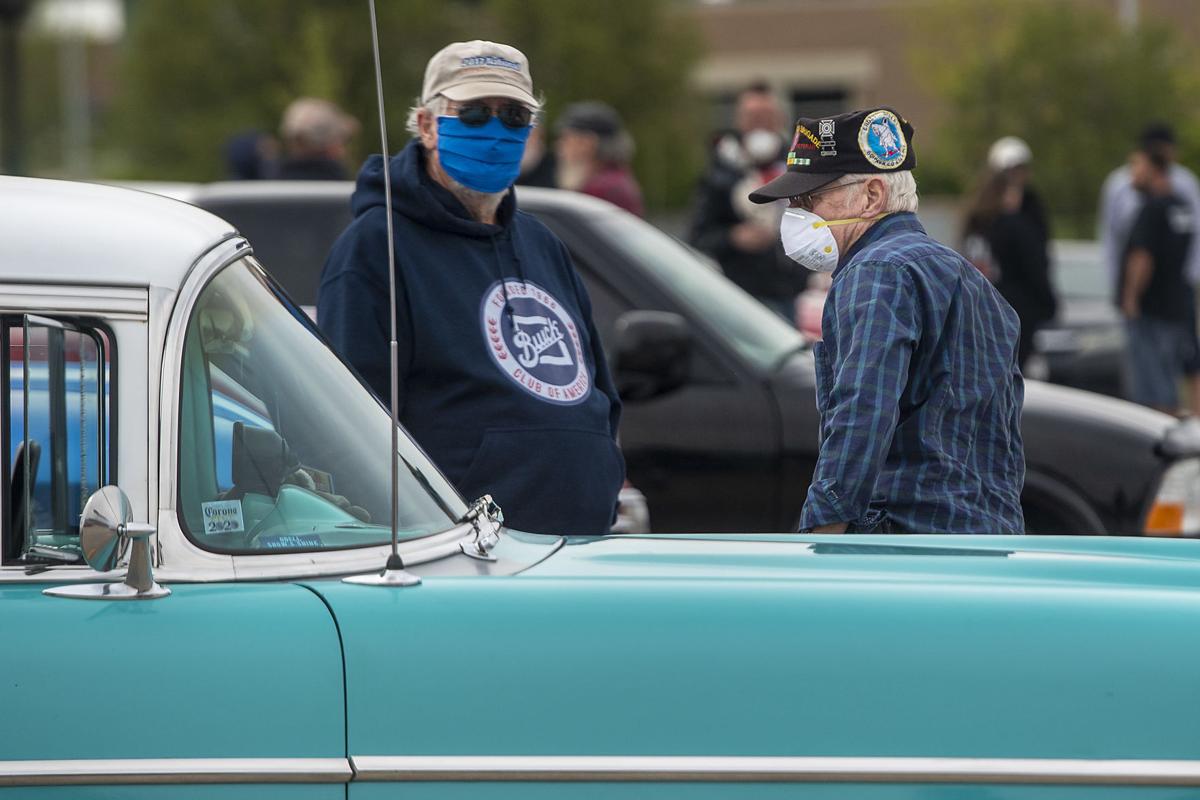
(538, 345)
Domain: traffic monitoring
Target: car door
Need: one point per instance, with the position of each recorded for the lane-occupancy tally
(217, 683)
(706, 455)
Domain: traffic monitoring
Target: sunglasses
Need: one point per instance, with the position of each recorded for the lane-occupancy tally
(512, 115)
(806, 201)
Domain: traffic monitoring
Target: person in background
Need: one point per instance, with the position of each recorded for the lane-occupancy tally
(1154, 294)
(741, 236)
(1006, 235)
(918, 386)
(1120, 203)
(250, 156)
(502, 377)
(593, 155)
(315, 134)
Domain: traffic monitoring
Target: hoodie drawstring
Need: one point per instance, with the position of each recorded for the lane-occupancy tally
(500, 272)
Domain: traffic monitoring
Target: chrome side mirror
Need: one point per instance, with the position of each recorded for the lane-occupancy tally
(104, 531)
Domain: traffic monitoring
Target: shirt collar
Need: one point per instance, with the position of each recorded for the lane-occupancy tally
(900, 222)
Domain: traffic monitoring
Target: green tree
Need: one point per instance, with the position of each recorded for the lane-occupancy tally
(196, 71)
(1063, 76)
(635, 55)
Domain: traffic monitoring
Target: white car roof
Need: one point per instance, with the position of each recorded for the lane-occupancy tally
(80, 233)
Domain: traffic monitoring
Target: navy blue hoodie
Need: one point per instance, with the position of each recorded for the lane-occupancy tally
(502, 378)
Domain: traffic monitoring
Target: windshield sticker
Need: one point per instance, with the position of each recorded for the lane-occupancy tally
(537, 345)
(322, 481)
(288, 541)
(223, 516)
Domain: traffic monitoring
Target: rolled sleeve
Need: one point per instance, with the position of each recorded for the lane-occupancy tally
(871, 329)
(823, 506)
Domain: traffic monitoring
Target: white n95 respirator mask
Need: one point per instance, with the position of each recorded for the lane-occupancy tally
(808, 241)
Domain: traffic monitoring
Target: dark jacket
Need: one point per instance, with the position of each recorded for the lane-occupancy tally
(1017, 252)
(310, 169)
(1019, 242)
(769, 275)
(502, 382)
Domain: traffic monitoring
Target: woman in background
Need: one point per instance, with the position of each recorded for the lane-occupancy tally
(1006, 236)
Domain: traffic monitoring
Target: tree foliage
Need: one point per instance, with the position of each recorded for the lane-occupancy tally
(195, 72)
(634, 55)
(1062, 75)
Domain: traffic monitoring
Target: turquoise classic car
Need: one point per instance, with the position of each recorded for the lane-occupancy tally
(193, 474)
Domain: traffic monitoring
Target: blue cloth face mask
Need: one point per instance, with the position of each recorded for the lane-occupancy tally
(485, 158)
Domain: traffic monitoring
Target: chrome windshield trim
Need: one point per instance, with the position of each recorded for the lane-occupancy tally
(755, 769)
(107, 772)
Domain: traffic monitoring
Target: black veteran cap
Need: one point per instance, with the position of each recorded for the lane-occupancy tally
(876, 140)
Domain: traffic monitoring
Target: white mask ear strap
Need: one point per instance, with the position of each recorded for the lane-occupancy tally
(832, 222)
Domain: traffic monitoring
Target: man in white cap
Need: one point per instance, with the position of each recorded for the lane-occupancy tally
(502, 377)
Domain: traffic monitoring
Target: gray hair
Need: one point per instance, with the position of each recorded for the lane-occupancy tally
(438, 105)
(435, 105)
(901, 189)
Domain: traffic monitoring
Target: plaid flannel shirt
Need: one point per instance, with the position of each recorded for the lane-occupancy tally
(919, 390)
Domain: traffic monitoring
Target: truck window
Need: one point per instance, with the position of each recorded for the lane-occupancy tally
(57, 422)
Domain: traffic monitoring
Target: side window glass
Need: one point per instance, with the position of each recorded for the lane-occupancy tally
(58, 428)
(607, 306)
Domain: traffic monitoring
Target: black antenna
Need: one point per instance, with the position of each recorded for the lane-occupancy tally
(393, 573)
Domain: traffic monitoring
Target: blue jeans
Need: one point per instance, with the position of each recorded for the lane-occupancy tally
(1158, 349)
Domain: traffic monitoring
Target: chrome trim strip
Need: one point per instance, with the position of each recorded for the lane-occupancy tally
(624, 769)
(754, 769)
(109, 772)
(107, 301)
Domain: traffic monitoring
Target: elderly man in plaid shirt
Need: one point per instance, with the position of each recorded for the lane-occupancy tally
(917, 377)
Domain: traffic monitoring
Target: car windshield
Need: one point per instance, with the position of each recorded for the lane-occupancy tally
(1079, 270)
(757, 333)
(280, 445)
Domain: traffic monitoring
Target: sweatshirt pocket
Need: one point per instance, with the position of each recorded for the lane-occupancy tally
(560, 481)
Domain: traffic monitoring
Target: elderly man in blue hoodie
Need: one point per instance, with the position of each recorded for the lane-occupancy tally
(502, 377)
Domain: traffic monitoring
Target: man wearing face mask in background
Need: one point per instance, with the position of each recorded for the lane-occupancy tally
(918, 384)
(502, 377)
(742, 237)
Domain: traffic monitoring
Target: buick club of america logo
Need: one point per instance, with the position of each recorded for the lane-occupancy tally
(538, 345)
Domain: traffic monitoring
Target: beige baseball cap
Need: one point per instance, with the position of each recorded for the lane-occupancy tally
(469, 70)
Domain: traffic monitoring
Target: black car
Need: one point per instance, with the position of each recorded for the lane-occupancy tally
(720, 428)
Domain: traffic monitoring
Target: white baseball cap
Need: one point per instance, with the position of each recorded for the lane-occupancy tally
(470, 70)
(1008, 152)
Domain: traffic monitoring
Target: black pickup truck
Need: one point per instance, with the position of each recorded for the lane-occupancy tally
(720, 424)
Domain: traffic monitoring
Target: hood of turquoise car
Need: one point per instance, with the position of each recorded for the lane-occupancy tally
(789, 645)
(1016, 560)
